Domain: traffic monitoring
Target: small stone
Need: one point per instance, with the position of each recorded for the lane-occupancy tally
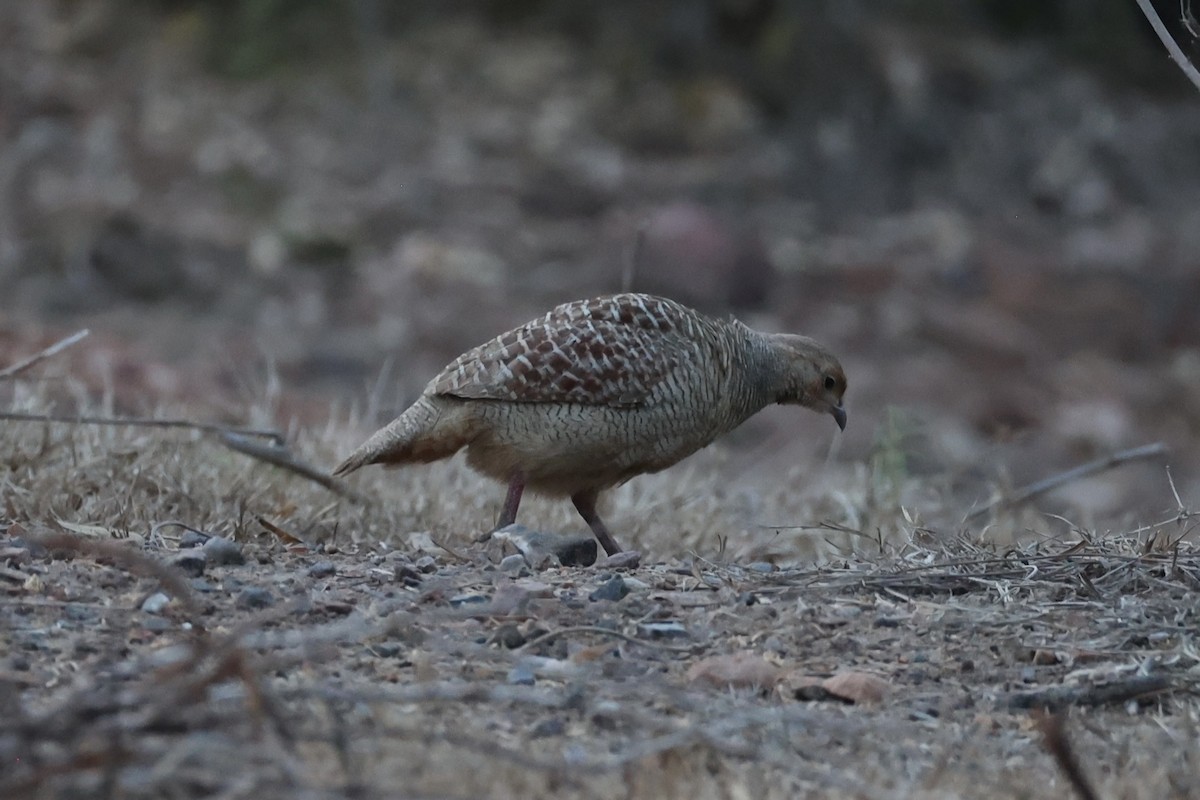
(192, 539)
(191, 562)
(554, 726)
(426, 564)
(407, 574)
(515, 565)
(157, 625)
(886, 622)
(1028, 675)
(155, 603)
(34, 548)
(626, 559)
(253, 597)
(387, 649)
(668, 629)
(322, 569)
(573, 550)
(612, 590)
(509, 637)
(522, 675)
(224, 552)
(467, 599)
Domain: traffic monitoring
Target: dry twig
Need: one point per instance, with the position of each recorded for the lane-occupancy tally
(11, 372)
(1054, 739)
(142, 422)
(1056, 698)
(1037, 488)
(1172, 46)
(278, 455)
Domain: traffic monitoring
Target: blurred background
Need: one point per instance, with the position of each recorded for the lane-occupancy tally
(990, 209)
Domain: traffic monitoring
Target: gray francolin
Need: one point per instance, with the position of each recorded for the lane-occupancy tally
(598, 391)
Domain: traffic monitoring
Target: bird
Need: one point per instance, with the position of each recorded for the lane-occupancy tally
(598, 391)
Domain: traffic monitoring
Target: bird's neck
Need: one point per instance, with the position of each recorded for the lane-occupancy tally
(757, 376)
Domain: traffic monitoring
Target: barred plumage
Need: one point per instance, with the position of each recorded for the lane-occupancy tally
(598, 391)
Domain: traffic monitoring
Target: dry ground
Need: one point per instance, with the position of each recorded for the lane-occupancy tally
(370, 649)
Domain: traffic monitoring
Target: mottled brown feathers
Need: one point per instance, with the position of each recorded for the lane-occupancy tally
(598, 391)
(610, 351)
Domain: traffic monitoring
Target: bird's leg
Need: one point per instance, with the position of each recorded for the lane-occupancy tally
(585, 504)
(516, 485)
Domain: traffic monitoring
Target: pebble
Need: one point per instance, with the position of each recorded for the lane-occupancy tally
(192, 539)
(627, 559)
(515, 565)
(553, 726)
(253, 597)
(322, 569)
(191, 562)
(427, 564)
(573, 550)
(224, 552)
(407, 574)
(612, 590)
(509, 636)
(669, 629)
(467, 599)
(522, 675)
(155, 603)
(387, 649)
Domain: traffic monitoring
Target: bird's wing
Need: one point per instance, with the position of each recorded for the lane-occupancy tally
(611, 351)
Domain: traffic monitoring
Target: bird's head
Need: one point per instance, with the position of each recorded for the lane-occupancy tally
(809, 375)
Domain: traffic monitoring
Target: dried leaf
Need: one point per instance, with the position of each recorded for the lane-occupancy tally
(738, 670)
(289, 539)
(91, 531)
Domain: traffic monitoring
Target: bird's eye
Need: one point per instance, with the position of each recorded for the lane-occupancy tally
(830, 383)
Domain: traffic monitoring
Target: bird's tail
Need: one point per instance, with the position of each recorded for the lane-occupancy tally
(431, 429)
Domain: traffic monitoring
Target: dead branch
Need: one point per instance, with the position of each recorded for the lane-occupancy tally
(1056, 698)
(141, 422)
(277, 454)
(1169, 42)
(8, 373)
(1054, 739)
(1038, 488)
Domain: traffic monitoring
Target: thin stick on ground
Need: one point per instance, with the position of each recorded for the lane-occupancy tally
(279, 456)
(142, 422)
(1037, 488)
(1172, 46)
(8, 373)
(1054, 739)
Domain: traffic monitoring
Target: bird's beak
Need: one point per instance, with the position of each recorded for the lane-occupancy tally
(839, 415)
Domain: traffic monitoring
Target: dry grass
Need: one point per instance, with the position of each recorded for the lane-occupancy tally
(371, 682)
